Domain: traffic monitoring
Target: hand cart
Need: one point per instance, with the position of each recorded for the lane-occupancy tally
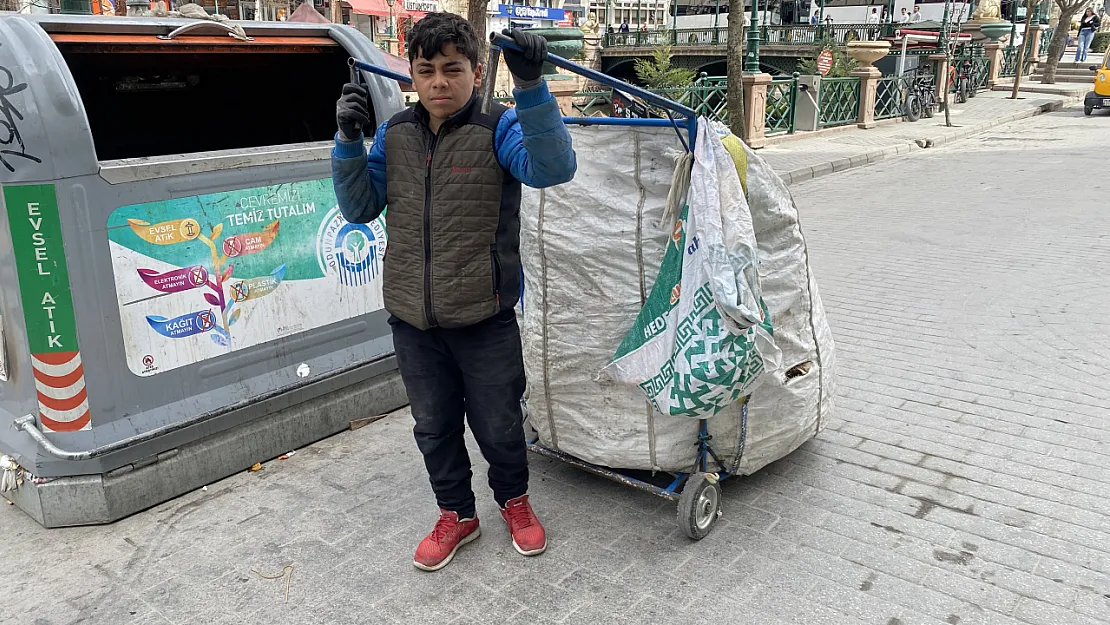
(697, 493)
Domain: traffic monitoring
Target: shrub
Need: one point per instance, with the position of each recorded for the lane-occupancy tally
(1100, 42)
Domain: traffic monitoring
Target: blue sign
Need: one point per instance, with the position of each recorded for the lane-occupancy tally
(530, 13)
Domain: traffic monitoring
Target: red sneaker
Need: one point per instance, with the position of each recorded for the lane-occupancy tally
(529, 539)
(438, 548)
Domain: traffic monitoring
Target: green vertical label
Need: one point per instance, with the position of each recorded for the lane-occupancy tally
(41, 265)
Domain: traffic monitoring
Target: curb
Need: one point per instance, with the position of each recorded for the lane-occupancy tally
(874, 156)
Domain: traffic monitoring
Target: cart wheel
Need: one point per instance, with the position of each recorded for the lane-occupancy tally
(699, 506)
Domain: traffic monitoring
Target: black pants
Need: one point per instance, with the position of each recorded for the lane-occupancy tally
(477, 371)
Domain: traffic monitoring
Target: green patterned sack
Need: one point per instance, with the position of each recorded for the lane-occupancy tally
(704, 336)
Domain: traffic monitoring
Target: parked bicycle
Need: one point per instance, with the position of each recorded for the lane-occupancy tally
(962, 83)
(921, 98)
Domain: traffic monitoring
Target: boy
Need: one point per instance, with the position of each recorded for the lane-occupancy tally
(451, 177)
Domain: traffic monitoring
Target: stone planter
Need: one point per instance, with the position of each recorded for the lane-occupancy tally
(564, 42)
(867, 52)
(995, 30)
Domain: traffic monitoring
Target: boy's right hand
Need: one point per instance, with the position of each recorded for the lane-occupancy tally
(352, 112)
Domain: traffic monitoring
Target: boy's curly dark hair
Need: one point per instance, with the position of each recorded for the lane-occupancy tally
(438, 29)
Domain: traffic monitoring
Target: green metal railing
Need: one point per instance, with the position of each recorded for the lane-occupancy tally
(678, 37)
(1046, 37)
(980, 72)
(980, 68)
(838, 101)
(1010, 54)
(585, 102)
(769, 34)
(708, 97)
(890, 96)
(788, 35)
(843, 33)
(1009, 62)
(782, 105)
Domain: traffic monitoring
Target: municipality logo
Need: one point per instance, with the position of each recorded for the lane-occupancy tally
(351, 252)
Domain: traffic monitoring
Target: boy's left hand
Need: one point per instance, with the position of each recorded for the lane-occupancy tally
(527, 65)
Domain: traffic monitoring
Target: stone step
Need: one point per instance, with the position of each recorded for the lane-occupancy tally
(1063, 77)
(1060, 81)
(1078, 74)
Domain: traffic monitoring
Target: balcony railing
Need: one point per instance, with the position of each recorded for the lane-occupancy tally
(771, 34)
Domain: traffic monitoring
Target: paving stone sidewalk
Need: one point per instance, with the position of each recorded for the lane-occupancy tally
(811, 155)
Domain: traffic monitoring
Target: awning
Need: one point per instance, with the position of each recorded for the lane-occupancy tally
(376, 7)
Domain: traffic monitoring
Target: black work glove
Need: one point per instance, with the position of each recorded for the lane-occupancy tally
(526, 65)
(352, 112)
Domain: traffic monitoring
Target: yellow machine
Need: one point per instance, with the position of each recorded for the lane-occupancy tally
(1100, 97)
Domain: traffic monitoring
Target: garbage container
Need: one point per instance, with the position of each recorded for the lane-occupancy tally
(179, 295)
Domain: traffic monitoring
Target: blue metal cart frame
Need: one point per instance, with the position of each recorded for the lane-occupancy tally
(697, 493)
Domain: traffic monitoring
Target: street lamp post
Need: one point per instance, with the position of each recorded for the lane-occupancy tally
(751, 66)
(389, 25)
(716, 22)
(821, 19)
(1013, 24)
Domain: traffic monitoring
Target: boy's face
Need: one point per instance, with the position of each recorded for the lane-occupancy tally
(446, 82)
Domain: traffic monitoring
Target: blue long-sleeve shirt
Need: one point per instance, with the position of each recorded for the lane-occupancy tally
(531, 141)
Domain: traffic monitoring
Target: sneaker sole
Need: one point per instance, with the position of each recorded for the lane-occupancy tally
(451, 556)
(534, 552)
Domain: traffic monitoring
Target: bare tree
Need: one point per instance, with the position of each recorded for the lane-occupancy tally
(476, 15)
(1068, 10)
(950, 37)
(734, 101)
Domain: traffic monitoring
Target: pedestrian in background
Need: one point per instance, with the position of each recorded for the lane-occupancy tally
(873, 18)
(1088, 24)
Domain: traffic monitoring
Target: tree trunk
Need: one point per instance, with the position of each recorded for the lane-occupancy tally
(476, 15)
(1058, 43)
(944, 80)
(735, 60)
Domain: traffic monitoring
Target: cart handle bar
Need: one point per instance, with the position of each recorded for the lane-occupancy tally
(690, 114)
(502, 41)
(380, 71)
